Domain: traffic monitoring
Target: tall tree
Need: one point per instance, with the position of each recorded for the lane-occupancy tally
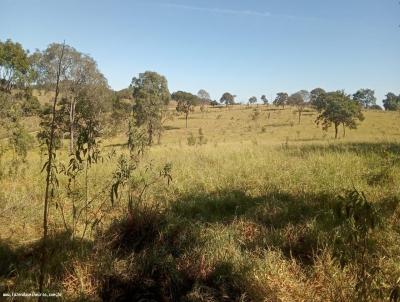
(316, 98)
(264, 99)
(366, 97)
(227, 99)
(339, 109)
(151, 96)
(281, 99)
(186, 103)
(14, 65)
(297, 100)
(252, 100)
(79, 80)
(391, 102)
(204, 96)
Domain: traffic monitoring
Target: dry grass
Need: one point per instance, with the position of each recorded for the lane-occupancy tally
(248, 217)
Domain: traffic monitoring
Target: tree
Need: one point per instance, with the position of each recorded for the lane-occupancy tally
(297, 100)
(252, 100)
(204, 96)
(227, 99)
(316, 98)
(366, 97)
(305, 95)
(151, 96)
(186, 102)
(264, 99)
(14, 65)
(281, 99)
(391, 102)
(214, 103)
(339, 109)
(80, 80)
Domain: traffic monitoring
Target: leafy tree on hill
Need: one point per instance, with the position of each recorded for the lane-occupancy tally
(281, 99)
(339, 109)
(297, 100)
(204, 96)
(227, 99)
(252, 100)
(186, 103)
(391, 102)
(317, 98)
(151, 96)
(366, 97)
(14, 66)
(264, 99)
(80, 81)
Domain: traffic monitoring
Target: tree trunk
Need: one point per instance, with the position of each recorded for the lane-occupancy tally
(187, 115)
(299, 116)
(344, 130)
(336, 130)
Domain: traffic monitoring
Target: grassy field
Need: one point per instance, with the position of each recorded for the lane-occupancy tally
(251, 214)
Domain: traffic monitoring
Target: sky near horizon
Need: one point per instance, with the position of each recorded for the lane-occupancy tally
(248, 48)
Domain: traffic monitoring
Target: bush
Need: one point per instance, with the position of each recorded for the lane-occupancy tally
(30, 106)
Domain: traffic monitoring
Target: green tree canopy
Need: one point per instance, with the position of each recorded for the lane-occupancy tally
(297, 100)
(281, 99)
(186, 102)
(80, 82)
(264, 99)
(151, 96)
(391, 102)
(252, 100)
(227, 99)
(204, 96)
(14, 65)
(339, 109)
(317, 99)
(366, 97)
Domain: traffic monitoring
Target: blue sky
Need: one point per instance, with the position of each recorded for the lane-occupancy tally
(250, 47)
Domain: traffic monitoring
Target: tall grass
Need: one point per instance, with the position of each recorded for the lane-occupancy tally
(249, 216)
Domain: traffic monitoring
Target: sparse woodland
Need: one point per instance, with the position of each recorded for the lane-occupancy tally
(147, 195)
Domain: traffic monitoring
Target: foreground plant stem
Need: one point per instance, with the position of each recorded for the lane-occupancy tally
(48, 179)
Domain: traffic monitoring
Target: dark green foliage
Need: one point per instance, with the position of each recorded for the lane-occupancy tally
(14, 66)
(151, 95)
(264, 99)
(227, 99)
(317, 99)
(298, 100)
(186, 103)
(339, 109)
(281, 99)
(391, 102)
(253, 100)
(366, 97)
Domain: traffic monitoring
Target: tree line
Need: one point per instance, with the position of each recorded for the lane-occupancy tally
(86, 98)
